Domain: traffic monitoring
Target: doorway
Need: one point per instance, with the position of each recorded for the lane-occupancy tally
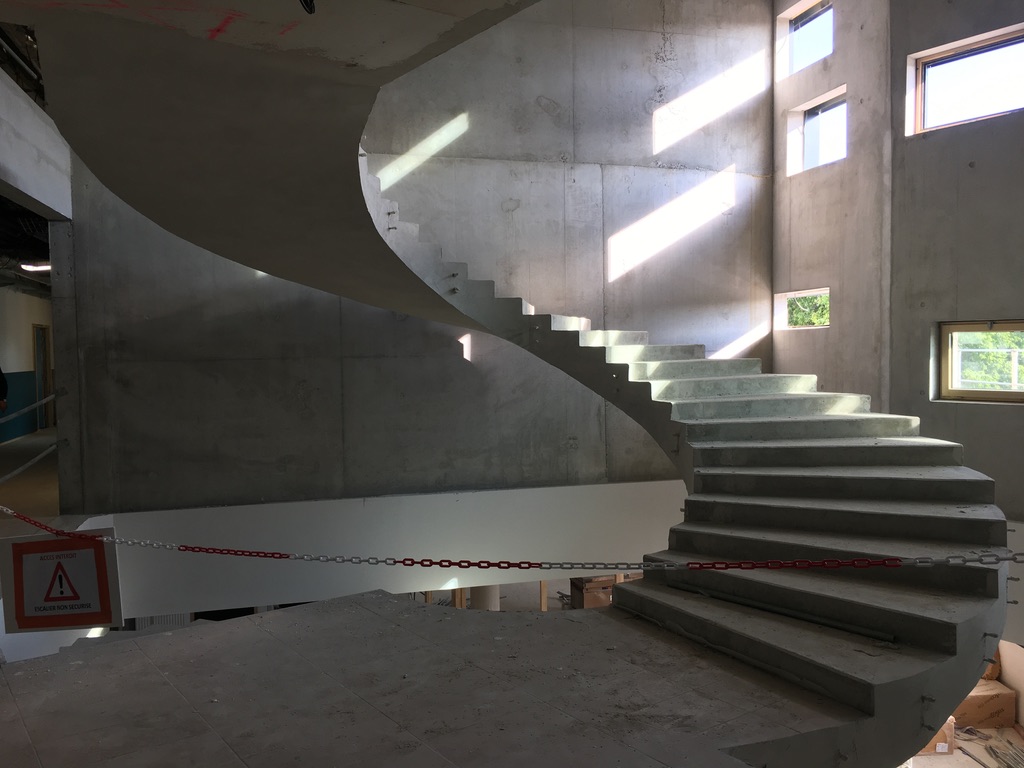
(43, 374)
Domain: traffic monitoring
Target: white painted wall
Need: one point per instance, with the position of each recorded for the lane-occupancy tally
(35, 161)
(18, 313)
(597, 522)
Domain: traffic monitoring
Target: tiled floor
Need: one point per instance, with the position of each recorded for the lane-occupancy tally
(377, 680)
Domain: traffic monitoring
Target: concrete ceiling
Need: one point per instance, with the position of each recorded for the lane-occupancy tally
(239, 130)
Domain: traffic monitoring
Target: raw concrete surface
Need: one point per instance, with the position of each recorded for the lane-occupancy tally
(558, 158)
(957, 241)
(207, 383)
(831, 225)
(378, 680)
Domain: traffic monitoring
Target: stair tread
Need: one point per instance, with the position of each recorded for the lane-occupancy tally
(850, 655)
(766, 397)
(818, 442)
(932, 603)
(852, 544)
(739, 377)
(939, 473)
(915, 508)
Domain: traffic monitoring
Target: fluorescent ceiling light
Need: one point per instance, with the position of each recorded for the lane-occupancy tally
(38, 266)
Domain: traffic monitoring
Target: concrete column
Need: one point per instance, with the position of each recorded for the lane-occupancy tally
(486, 598)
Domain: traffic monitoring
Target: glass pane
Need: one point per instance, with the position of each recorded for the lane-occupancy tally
(969, 87)
(825, 136)
(988, 360)
(811, 42)
(807, 311)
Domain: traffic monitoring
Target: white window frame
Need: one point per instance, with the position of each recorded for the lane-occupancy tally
(795, 130)
(780, 314)
(783, 30)
(916, 63)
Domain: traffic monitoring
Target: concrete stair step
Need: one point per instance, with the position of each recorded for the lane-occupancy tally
(639, 353)
(612, 338)
(732, 386)
(798, 404)
(917, 451)
(974, 524)
(734, 543)
(949, 484)
(843, 666)
(544, 322)
(924, 618)
(698, 369)
(819, 426)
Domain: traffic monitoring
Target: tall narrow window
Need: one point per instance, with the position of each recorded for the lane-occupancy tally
(811, 36)
(982, 361)
(967, 80)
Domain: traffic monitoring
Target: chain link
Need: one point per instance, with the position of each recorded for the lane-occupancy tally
(984, 558)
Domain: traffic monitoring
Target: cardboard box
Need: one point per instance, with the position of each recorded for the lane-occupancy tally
(994, 669)
(990, 705)
(944, 742)
(596, 591)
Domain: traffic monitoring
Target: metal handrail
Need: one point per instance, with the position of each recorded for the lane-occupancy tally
(27, 408)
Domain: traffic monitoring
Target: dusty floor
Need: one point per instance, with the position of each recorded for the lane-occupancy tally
(34, 492)
(378, 680)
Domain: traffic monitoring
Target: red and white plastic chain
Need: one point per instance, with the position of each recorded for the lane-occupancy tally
(987, 558)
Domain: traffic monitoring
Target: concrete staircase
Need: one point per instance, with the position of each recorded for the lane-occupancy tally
(778, 470)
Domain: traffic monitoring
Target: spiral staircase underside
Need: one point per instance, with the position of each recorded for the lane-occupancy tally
(776, 469)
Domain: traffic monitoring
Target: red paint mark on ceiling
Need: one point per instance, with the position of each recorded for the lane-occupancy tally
(288, 28)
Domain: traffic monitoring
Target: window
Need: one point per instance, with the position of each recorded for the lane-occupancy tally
(967, 80)
(825, 134)
(802, 309)
(982, 361)
(817, 132)
(805, 34)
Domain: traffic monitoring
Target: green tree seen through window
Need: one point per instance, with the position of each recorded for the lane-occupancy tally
(807, 311)
(987, 359)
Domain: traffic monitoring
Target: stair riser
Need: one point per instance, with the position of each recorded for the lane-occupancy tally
(636, 353)
(888, 426)
(967, 580)
(693, 369)
(906, 628)
(894, 488)
(758, 651)
(822, 456)
(611, 338)
(695, 389)
(789, 406)
(939, 528)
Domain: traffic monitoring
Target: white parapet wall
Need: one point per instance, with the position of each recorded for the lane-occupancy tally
(580, 523)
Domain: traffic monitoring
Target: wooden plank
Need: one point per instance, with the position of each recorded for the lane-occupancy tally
(543, 595)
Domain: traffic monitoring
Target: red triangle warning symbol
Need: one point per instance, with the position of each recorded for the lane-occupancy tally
(60, 587)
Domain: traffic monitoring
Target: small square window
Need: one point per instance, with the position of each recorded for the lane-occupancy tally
(982, 361)
(817, 132)
(802, 309)
(805, 34)
(965, 81)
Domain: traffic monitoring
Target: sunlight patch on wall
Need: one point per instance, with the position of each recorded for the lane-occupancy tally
(666, 226)
(467, 347)
(398, 169)
(744, 342)
(709, 101)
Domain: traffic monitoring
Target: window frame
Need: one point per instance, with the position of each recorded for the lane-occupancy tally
(780, 311)
(946, 390)
(918, 64)
(791, 21)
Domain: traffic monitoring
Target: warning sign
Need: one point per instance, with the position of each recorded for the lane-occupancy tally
(60, 583)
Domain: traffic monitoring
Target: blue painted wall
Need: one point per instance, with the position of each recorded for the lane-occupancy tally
(21, 391)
